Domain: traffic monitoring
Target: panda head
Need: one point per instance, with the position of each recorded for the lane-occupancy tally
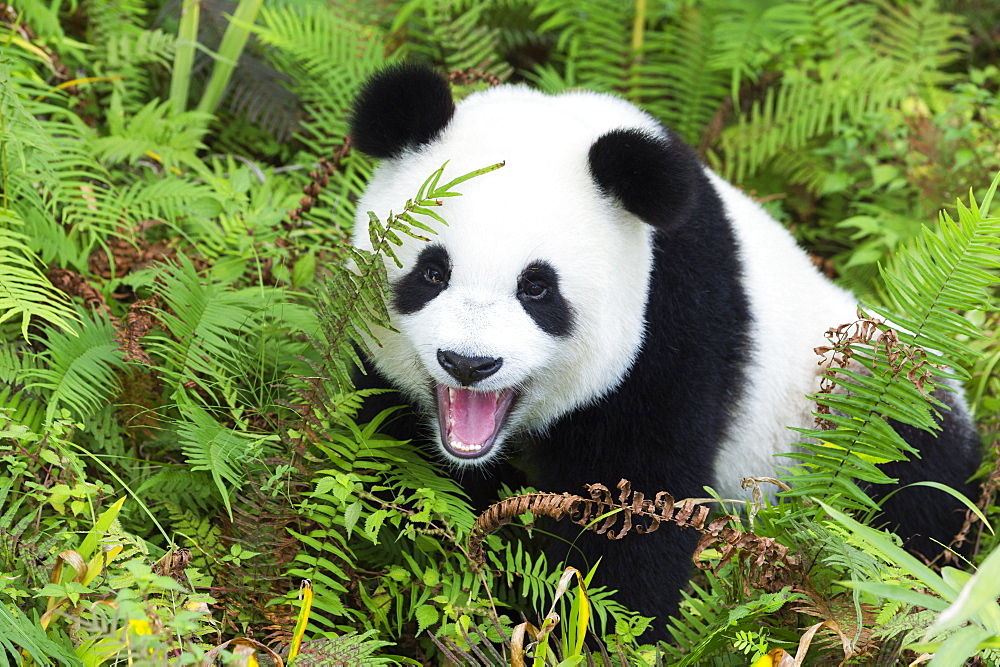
(531, 302)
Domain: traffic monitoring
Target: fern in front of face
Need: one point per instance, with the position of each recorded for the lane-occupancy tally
(379, 505)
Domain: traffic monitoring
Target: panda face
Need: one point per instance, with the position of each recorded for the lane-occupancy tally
(531, 302)
(480, 347)
(513, 315)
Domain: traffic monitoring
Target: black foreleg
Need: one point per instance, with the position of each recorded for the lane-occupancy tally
(924, 517)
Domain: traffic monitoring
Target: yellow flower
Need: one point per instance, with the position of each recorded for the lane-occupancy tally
(139, 627)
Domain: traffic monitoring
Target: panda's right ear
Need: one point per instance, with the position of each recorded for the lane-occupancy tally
(655, 178)
(402, 106)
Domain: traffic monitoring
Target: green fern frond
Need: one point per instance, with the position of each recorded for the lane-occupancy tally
(707, 621)
(82, 193)
(209, 325)
(595, 41)
(154, 133)
(221, 451)
(528, 573)
(196, 529)
(328, 57)
(80, 368)
(50, 177)
(22, 405)
(25, 292)
(185, 488)
(917, 42)
(803, 108)
(457, 36)
(169, 197)
(750, 32)
(350, 648)
(125, 49)
(677, 82)
(945, 272)
(115, 16)
(839, 23)
(921, 39)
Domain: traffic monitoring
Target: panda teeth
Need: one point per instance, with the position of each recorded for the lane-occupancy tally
(452, 440)
(453, 430)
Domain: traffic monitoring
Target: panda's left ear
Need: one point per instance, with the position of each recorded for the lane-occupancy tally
(652, 177)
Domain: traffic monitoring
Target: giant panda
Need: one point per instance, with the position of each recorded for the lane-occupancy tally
(602, 307)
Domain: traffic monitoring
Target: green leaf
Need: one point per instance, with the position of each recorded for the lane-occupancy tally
(304, 270)
(374, 522)
(893, 553)
(960, 646)
(351, 515)
(977, 597)
(427, 615)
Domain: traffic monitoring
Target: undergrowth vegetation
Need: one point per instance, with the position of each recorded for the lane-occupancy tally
(182, 477)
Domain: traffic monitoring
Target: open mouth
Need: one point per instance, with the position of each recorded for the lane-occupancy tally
(470, 420)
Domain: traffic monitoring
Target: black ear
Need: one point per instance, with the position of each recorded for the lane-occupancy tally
(652, 177)
(403, 106)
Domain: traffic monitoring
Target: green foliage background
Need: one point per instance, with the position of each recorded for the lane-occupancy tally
(178, 444)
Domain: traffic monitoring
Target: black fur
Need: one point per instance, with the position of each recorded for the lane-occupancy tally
(416, 289)
(653, 178)
(924, 517)
(403, 106)
(538, 292)
(662, 427)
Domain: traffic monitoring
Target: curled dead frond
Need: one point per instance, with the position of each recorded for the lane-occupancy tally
(875, 334)
(73, 284)
(139, 321)
(770, 566)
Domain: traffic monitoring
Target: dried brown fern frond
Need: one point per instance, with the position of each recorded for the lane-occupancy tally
(320, 178)
(770, 566)
(875, 334)
(469, 75)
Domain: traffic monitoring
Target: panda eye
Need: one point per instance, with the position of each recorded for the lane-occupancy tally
(434, 275)
(533, 290)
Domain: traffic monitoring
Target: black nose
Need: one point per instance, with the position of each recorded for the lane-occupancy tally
(468, 369)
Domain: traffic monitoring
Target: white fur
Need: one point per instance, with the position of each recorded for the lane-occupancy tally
(792, 306)
(543, 205)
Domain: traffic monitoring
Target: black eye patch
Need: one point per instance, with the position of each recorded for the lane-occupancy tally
(428, 278)
(538, 292)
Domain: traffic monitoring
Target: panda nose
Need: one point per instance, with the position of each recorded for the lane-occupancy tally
(468, 369)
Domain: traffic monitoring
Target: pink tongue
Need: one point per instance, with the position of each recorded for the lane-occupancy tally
(473, 415)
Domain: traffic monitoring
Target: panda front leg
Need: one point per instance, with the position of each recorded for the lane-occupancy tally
(926, 518)
(605, 444)
(648, 571)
